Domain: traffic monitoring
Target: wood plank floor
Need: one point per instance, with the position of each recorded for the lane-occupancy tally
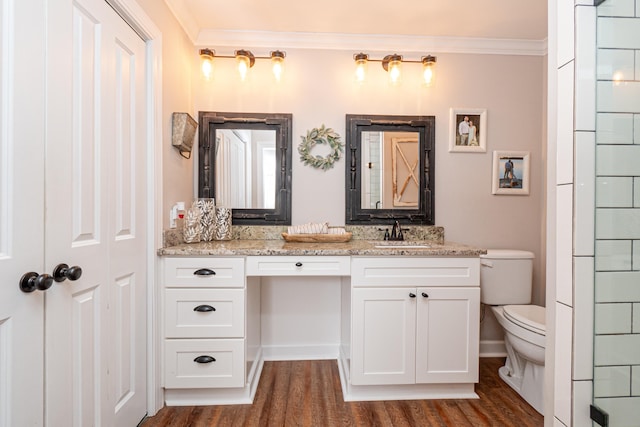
(308, 393)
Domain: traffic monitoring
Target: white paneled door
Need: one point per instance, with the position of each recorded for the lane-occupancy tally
(73, 189)
(21, 211)
(96, 176)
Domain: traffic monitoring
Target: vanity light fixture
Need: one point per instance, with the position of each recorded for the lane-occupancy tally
(393, 65)
(245, 60)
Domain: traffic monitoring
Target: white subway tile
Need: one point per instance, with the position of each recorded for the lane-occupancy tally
(619, 33)
(612, 381)
(635, 260)
(583, 318)
(564, 243)
(618, 160)
(615, 64)
(616, 8)
(613, 255)
(617, 223)
(584, 189)
(564, 129)
(614, 128)
(621, 410)
(613, 318)
(617, 286)
(635, 380)
(618, 97)
(565, 31)
(563, 357)
(615, 192)
(636, 117)
(610, 350)
(636, 322)
(585, 68)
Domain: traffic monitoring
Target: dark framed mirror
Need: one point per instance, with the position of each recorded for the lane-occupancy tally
(245, 164)
(390, 169)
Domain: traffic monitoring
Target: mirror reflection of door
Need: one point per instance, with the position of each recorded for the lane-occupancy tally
(245, 168)
(390, 170)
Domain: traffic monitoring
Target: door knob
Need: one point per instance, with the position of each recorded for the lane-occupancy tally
(32, 281)
(63, 272)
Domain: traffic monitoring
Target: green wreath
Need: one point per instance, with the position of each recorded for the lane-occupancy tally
(320, 136)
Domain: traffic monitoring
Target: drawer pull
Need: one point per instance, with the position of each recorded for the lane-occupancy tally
(298, 264)
(204, 359)
(204, 272)
(412, 295)
(204, 308)
(426, 295)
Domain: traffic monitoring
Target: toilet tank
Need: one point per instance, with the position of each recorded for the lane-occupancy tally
(506, 277)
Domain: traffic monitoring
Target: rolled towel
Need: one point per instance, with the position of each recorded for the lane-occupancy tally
(309, 228)
(337, 230)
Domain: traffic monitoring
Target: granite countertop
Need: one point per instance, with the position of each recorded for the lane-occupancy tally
(258, 247)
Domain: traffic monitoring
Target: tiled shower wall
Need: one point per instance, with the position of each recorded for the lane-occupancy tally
(617, 226)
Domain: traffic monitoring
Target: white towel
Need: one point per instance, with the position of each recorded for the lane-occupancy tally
(309, 228)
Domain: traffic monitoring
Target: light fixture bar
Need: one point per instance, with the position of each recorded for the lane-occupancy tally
(392, 64)
(245, 59)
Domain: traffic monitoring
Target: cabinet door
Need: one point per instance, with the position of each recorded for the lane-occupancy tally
(448, 335)
(383, 336)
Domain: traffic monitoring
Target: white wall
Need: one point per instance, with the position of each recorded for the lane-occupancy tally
(178, 62)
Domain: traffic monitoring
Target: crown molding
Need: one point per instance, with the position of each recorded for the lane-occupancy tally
(367, 42)
(185, 18)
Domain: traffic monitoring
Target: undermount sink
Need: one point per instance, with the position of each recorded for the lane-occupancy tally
(400, 244)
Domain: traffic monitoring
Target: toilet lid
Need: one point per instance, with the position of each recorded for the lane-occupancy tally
(530, 317)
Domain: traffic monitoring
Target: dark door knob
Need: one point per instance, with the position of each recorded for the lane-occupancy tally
(32, 281)
(63, 272)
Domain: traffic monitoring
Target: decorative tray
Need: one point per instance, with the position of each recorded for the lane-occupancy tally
(317, 238)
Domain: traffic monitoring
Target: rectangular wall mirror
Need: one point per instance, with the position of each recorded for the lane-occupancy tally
(390, 169)
(245, 164)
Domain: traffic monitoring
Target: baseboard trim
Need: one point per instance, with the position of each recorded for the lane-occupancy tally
(492, 348)
(300, 352)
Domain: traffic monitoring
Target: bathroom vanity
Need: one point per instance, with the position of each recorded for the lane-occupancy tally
(409, 317)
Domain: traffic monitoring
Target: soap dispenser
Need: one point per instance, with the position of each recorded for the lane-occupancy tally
(176, 213)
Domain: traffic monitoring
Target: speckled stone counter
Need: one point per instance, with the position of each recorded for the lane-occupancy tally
(351, 248)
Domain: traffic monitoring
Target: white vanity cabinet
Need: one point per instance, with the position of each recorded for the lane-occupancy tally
(204, 322)
(414, 320)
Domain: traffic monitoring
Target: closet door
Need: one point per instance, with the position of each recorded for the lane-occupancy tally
(21, 210)
(96, 215)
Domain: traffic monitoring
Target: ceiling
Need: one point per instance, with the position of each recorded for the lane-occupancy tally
(517, 21)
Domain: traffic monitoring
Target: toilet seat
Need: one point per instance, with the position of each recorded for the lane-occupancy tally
(530, 317)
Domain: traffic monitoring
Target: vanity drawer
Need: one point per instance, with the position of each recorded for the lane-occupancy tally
(192, 272)
(203, 313)
(223, 363)
(298, 266)
(414, 271)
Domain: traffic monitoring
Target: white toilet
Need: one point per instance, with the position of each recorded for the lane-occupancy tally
(505, 284)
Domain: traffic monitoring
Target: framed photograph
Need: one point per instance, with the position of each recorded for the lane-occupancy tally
(510, 172)
(468, 130)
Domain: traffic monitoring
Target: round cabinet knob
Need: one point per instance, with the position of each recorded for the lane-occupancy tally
(63, 272)
(32, 281)
(412, 295)
(426, 295)
(298, 264)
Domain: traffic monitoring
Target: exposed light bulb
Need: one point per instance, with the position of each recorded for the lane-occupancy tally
(361, 67)
(428, 72)
(277, 64)
(245, 61)
(207, 62)
(394, 72)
